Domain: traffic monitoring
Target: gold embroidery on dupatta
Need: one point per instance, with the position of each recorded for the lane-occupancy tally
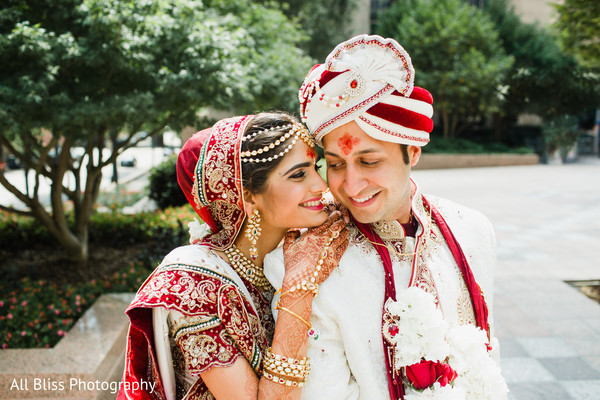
(223, 211)
(358, 240)
(423, 277)
(466, 315)
(218, 183)
(190, 294)
(198, 348)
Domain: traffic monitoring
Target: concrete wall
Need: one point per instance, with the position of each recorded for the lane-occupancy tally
(439, 161)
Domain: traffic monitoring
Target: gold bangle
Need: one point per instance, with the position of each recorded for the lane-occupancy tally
(302, 286)
(288, 372)
(302, 361)
(282, 381)
(279, 307)
(312, 333)
(285, 368)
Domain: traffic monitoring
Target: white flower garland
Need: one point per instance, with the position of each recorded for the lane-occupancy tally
(423, 334)
(198, 230)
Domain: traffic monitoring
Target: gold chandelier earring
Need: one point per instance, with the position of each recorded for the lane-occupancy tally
(253, 232)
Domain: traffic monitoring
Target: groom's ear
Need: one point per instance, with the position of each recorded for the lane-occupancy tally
(414, 154)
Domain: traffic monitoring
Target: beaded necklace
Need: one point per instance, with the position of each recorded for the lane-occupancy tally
(247, 269)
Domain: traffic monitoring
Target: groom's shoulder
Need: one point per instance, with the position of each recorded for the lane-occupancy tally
(462, 220)
(455, 211)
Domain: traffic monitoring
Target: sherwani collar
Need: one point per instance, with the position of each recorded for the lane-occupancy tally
(393, 230)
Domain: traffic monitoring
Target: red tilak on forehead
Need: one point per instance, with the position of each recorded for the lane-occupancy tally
(311, 153)
(347, 142)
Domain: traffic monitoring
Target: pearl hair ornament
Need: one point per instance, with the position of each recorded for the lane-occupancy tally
(271, 129)
(296, 130)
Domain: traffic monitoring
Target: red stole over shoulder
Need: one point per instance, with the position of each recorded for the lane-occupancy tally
(395, 385)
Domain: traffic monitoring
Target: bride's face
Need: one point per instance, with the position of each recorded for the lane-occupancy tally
(293, 192)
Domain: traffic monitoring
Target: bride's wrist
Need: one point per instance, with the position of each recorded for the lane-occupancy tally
(298, 290)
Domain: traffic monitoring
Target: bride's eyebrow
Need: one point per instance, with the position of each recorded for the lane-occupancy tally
(301, 165)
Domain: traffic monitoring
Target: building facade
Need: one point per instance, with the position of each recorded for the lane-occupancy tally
(541, 12)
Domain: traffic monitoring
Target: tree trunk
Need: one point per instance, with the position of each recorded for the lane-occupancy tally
(497, 128)
(453, 126)
(115, 170)
(446, 122)
(78, 251)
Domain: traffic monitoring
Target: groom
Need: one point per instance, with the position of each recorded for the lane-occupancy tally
(363, 108)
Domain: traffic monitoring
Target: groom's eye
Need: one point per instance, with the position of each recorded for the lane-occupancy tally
(334, 165)
(370, 163)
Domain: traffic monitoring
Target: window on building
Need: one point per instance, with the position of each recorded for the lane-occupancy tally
(377, 6)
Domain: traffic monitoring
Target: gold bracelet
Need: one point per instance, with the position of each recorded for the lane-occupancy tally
(312, 333)
(287, 368)
(302, 361)
(302, 286)
(282, 381)
(279, 307)
(289, 372)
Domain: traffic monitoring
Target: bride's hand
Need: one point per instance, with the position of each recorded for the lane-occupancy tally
(313, 256)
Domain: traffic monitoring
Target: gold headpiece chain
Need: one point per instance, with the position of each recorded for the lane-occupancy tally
(297, 130)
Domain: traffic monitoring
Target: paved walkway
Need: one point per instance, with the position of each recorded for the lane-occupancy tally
(547, 221)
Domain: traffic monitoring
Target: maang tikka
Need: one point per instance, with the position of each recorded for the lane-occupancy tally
(253, 232)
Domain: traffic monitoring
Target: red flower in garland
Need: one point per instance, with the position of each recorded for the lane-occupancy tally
(426, 373)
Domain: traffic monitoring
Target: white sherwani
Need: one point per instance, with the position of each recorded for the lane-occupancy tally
(347, 360)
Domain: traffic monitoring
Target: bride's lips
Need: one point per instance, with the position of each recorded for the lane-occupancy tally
(313, 204)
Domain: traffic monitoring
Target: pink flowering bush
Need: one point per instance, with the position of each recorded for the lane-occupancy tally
(38, 313)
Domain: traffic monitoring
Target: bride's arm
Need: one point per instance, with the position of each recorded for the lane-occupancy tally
(308, 262)
(238, 381)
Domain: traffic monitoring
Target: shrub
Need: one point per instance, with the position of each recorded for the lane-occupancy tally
(109, 229)
(37, 313)
(163, 187)
(560, 133)
(465, 146)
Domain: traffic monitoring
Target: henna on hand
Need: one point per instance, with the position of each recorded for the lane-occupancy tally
(302, 255)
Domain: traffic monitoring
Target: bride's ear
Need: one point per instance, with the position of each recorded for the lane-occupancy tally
(249, 202)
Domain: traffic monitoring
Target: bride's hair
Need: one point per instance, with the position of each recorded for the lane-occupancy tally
(262, 130)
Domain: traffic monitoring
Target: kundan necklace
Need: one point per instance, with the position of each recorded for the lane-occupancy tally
(247, 269)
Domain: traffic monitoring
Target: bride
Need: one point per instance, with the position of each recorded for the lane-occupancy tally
(201, 325)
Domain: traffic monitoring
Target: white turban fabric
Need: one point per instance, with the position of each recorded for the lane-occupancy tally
(369, 80)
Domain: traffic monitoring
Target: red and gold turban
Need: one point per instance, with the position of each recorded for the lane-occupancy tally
(369, 80)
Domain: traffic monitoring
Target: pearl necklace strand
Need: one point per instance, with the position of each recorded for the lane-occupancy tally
(247, 269)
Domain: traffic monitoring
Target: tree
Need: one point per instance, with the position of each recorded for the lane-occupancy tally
(579, 25)
(544, 79)
(325, 22)
(457, 56)
(79, 72)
